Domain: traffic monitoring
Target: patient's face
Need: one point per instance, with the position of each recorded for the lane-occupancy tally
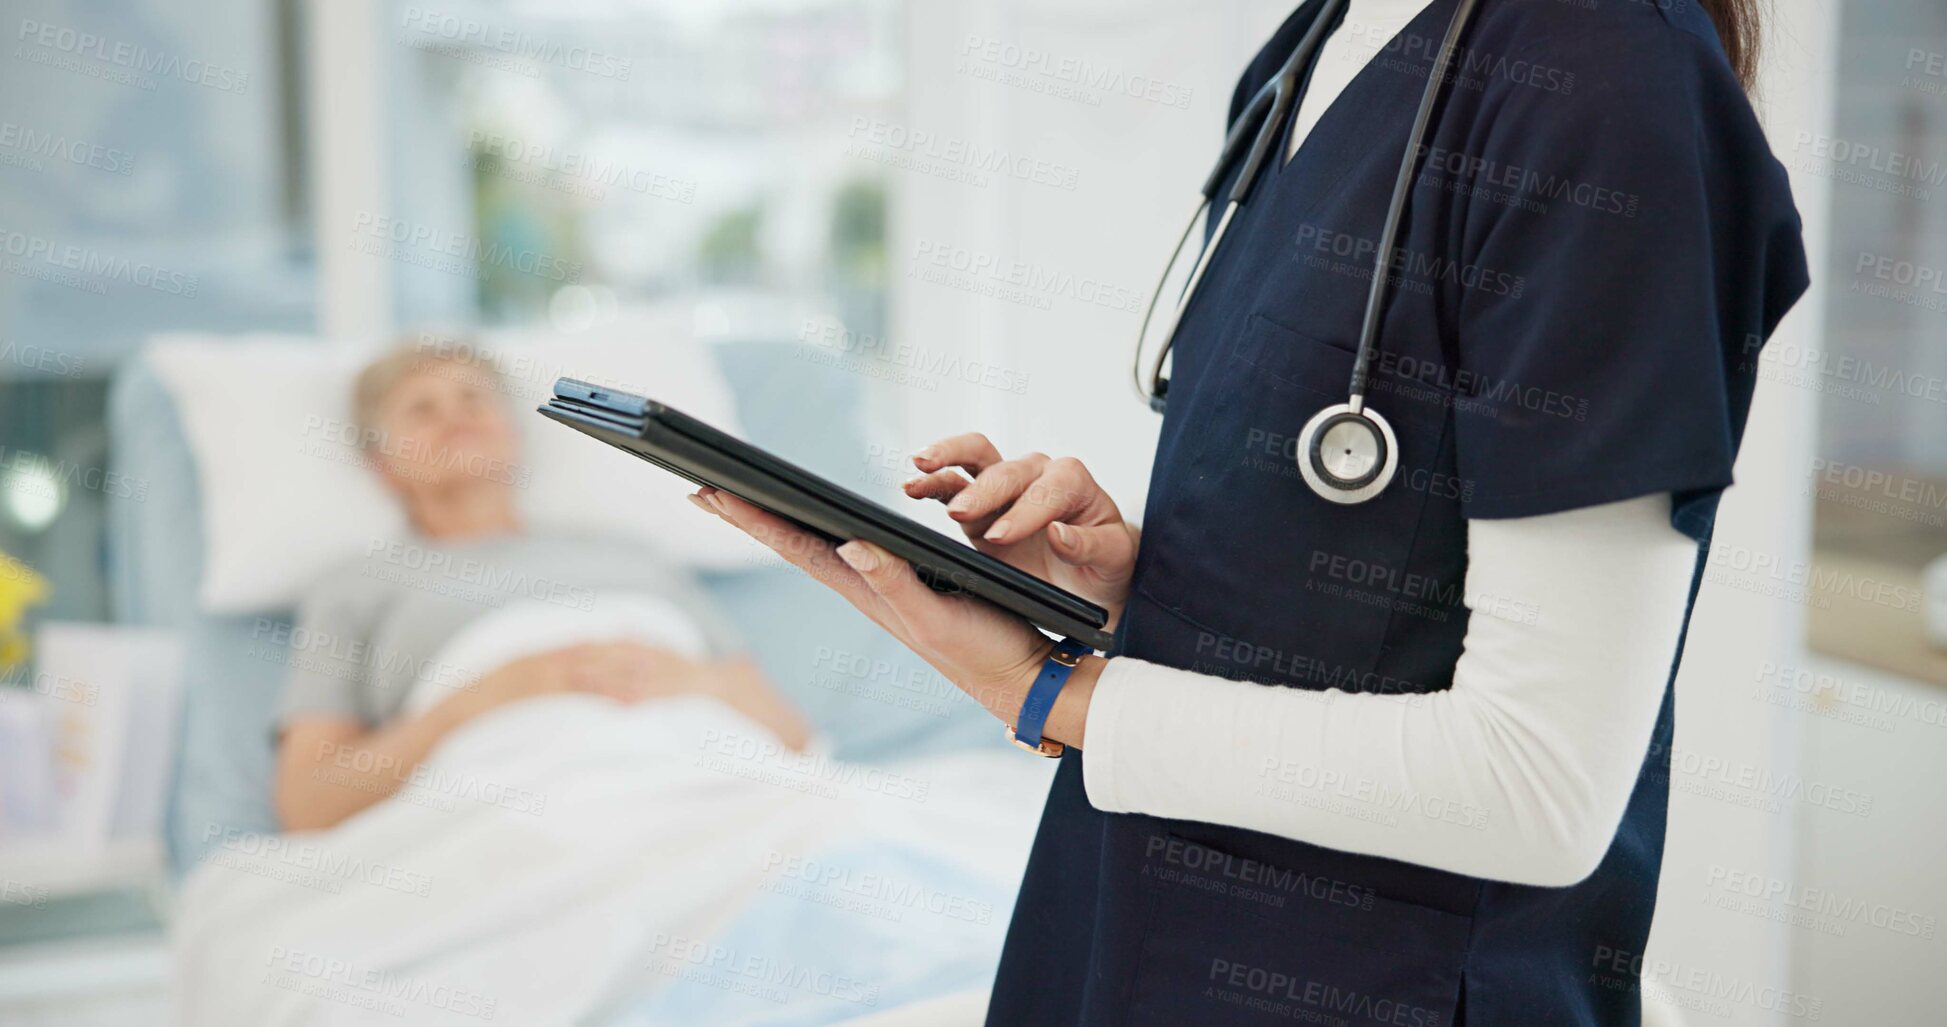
(445, 425)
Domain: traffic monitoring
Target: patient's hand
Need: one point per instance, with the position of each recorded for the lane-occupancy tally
(526, 678)
(741, 684)
(630, 672)
(310, 795)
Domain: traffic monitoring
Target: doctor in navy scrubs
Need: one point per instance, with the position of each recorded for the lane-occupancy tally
(1401, 762)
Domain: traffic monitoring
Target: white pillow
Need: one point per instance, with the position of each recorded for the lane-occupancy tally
(286, 492)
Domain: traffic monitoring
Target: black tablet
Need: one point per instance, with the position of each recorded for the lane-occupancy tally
(676, 442)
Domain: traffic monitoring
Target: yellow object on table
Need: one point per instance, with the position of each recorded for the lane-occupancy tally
(20, 587)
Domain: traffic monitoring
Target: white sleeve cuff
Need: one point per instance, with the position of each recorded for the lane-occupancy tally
(1121, 685)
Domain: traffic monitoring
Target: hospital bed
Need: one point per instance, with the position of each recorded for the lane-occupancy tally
(225, 756)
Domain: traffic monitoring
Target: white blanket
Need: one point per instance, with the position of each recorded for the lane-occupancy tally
(558, 860)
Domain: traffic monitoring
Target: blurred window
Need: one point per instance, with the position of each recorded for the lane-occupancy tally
(1879, 483)
(590, 153)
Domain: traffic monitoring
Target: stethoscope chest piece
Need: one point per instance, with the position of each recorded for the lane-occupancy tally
(1347, 454)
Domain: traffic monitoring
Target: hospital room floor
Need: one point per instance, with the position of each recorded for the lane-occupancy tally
(103, 961)
(122, 981)
(103, 981)
(91, 960)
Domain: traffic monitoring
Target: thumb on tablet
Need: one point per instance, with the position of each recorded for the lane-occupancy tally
(1106, 548)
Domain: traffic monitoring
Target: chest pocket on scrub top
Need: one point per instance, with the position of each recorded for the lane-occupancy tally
(1249, 552)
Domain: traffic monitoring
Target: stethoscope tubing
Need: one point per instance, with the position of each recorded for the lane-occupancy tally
(1409, 166)
(1268, 109)
(1266, 113)
(1151, 391)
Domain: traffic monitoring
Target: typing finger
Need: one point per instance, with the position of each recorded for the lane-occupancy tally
(970, 452)
(940, 485)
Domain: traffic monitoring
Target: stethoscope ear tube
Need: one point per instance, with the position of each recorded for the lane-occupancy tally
(1152, 388)
(1259, 121)
(1234, 142)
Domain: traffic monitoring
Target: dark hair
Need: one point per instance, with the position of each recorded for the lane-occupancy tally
(1737, 26)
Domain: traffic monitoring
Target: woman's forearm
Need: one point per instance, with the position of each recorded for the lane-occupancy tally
(1520, 772)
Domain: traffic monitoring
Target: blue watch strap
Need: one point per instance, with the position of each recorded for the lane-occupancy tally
(1047, 685)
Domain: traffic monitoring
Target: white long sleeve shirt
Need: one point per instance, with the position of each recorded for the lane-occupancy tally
(1520, 772)
(1369, 25)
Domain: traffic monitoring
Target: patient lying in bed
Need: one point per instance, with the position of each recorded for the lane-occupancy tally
(472, 614)
(533, 789)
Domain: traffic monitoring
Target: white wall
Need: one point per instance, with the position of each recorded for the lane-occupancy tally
(1871, 949)
(1137, 164)
(346, 125)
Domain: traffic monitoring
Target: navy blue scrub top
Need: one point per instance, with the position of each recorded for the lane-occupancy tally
(1597, 245)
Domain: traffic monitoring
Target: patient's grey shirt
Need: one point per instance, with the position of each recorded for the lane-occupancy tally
(369, 630)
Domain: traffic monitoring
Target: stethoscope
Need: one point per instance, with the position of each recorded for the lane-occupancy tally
(1347, 453)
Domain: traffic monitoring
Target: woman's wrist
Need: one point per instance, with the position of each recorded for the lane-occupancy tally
(1068, 718)
(1115, 614)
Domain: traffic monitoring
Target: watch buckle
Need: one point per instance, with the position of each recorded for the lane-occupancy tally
(1048, 747)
